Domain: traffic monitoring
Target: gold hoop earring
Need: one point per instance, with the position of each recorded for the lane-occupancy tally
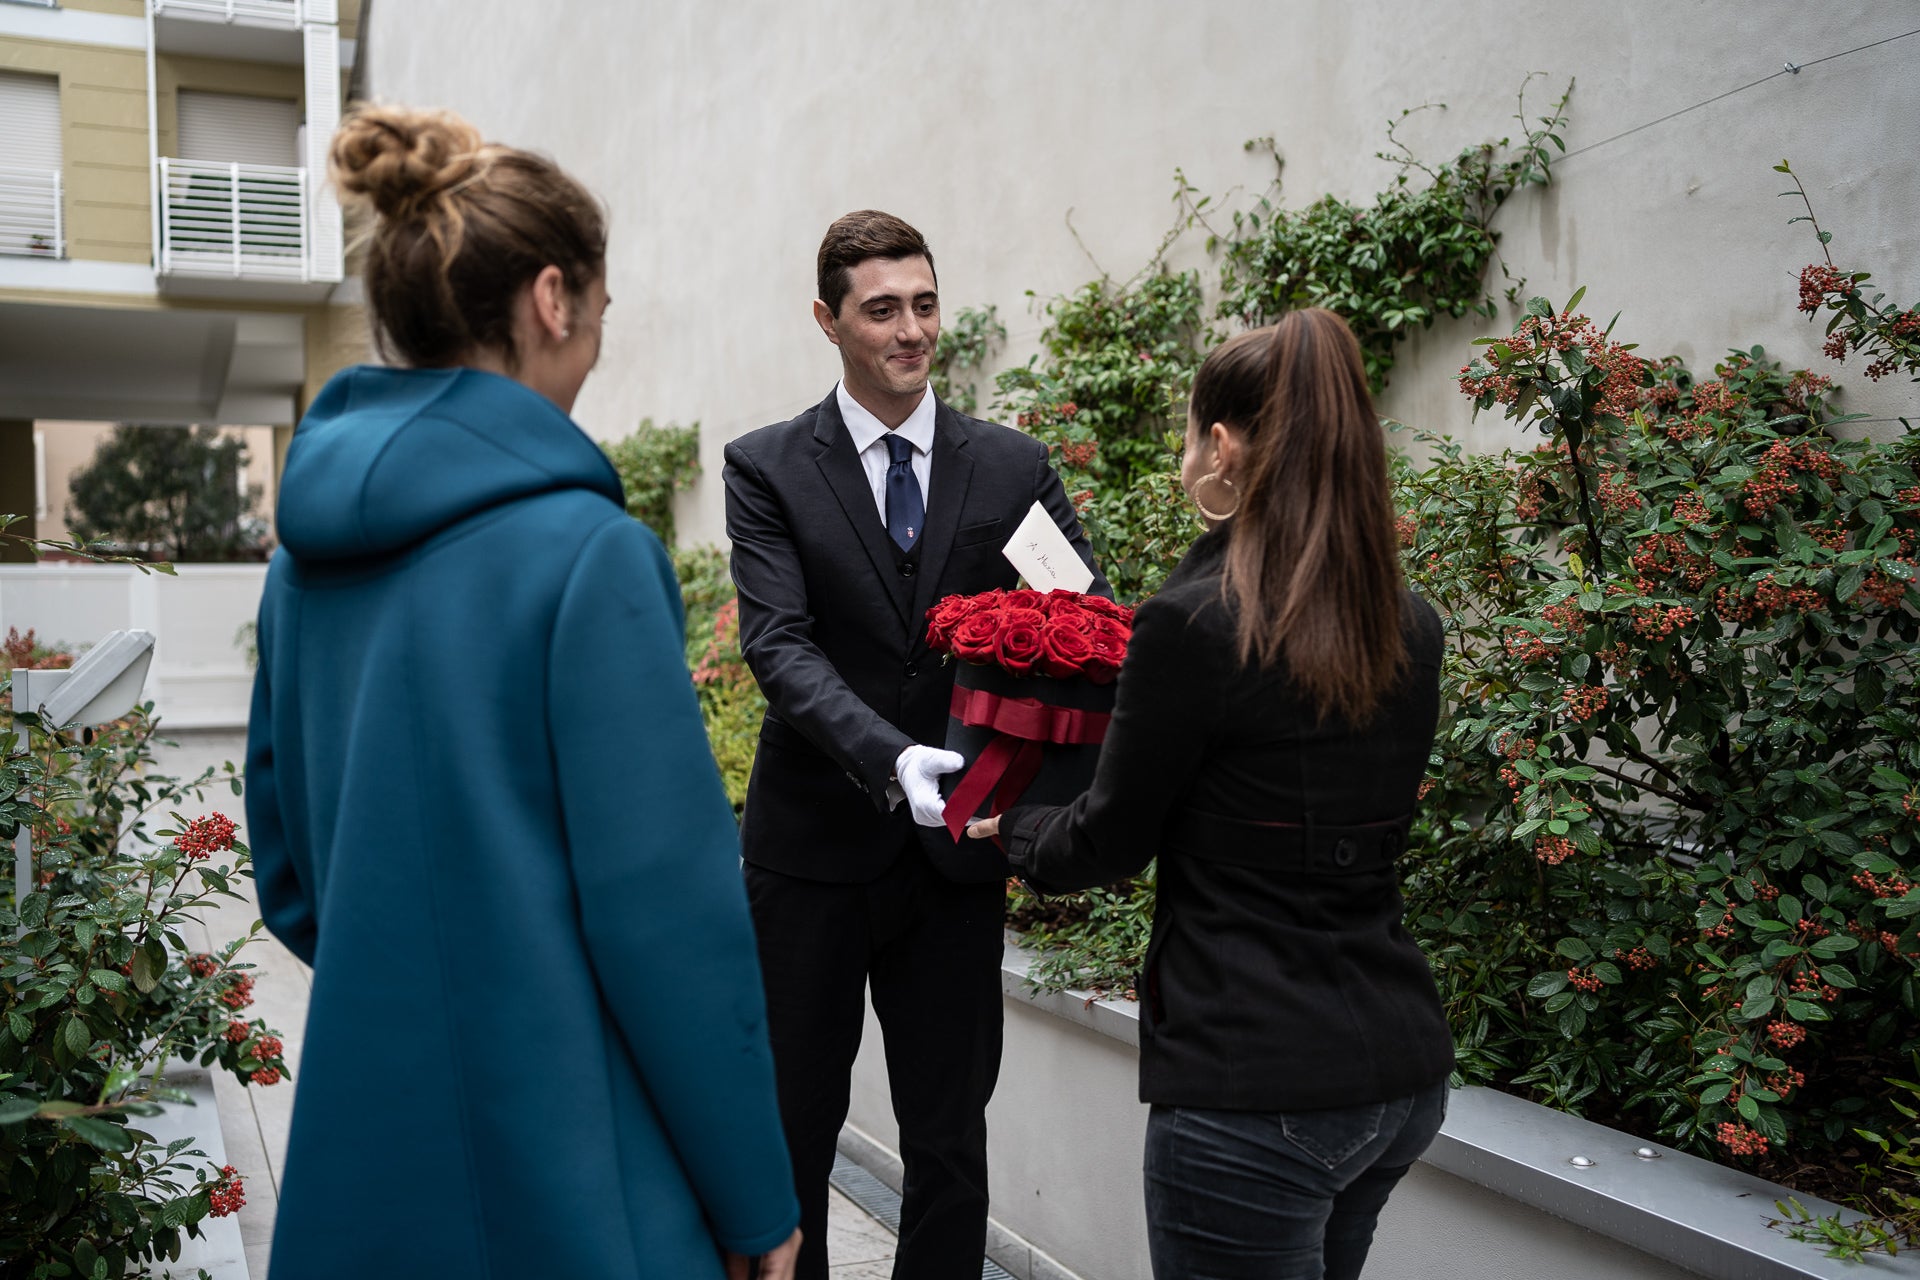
(1200, 502)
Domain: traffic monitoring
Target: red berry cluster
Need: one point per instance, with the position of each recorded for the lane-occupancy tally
(202, 965)
(1638, 959)
(1740, 1140)
(1527, 498)
(265, 1076)
(1524, 646)
(1656, 623)
(1584, 703)
(229, 1194)
(239, 992)
(1617, 494)
(1765, 892)
(1407, 527)
(268, 1048)
(1079, 453)
(1804, 386)
(1724, 929)
(1553, 850)
(1565, 616)
(1583, 981)
(1812, 928)
(1886, 590)
(1818, 281)
(238, 1032)
(206, 836)
(1690, 508)
(1807, 986)
(1785, 1035)
(1426, 787)
(1663, 555)
(1785, 1082)
(1867, 882)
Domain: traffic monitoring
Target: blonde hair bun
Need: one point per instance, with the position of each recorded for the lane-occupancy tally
(401, 159)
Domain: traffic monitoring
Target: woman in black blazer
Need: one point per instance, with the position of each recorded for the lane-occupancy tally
(1272, 726)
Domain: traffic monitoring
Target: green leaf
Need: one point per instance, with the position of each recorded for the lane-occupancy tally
(1607, 971)
(1715, 1093)
(1547, 984)
(1749, 1109)
(108, 979)
(76, 1035)
(1575, 950)
(107, 1137)
(1838, 975)
(15, 1110)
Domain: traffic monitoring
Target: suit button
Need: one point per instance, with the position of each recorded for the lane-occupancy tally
(906, 569)
(913, 669)
(1343, 853)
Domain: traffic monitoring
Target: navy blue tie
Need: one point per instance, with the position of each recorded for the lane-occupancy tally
(906, 508)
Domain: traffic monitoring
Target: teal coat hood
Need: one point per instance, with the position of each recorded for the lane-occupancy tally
(387, 458)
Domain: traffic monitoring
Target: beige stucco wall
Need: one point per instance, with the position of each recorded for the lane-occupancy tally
(725, 138)
(103, 137)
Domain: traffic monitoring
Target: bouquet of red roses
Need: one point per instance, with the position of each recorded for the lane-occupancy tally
(1032, 697)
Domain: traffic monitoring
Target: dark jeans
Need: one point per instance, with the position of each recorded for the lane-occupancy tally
(1277, 1195)
(929, 951)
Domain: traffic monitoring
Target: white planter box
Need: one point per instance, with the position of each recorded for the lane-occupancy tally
(1495, 1198)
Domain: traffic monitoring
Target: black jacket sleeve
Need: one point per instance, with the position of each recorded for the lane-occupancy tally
(776, 637)
(1165, 710)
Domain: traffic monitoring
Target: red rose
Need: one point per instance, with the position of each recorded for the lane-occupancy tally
(1018, 647)
(1106, 608)
(1024, 599)
(1067, 609)
(973, 640)
(944, 618)
(1016, 616)
(1109, 643)
(1065, 648)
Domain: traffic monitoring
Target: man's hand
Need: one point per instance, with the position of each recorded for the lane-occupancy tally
(777, 1265)
(984, 829)
(919, 769)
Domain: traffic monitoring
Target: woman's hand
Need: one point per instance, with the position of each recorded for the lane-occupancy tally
(985, 829)
(777, 1265)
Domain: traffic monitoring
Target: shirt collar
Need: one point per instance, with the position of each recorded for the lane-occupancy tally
(864, 428)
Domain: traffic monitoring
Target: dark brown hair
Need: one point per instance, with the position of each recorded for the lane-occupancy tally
(1313, 561)
(857, 236)
(463, 225)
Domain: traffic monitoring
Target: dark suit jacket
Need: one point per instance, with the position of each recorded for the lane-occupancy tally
(1279, 977)
(835, 632)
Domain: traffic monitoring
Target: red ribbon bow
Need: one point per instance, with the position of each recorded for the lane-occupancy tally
(1012, 760)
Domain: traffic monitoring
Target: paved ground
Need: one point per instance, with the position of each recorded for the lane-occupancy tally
(255, 1121)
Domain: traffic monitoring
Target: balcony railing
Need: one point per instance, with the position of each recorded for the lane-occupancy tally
(240, 221)
(278, 13)
(31, 221)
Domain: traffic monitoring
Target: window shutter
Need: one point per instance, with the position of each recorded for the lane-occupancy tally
(325, 238)
(230, 128)
(29, 121)
(327, 11)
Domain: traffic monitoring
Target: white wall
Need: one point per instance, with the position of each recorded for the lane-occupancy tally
(200, 677)
(726, 137)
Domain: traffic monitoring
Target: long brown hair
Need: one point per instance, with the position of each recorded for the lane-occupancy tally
(463, 224)
(1312, 557)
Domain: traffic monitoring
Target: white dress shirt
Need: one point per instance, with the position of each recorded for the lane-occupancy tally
(869, 441)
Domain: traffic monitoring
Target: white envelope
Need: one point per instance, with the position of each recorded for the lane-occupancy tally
(1043, 555)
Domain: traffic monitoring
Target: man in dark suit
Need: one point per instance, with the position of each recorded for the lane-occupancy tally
(847, 524)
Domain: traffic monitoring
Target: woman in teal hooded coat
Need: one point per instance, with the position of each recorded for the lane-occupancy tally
(481, 801)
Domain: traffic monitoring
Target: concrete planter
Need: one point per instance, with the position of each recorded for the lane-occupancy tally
(1496, 1197)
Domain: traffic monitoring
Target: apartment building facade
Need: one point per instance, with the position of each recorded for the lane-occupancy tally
(169, 250)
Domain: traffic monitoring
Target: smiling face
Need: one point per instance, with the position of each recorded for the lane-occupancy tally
(886, 330)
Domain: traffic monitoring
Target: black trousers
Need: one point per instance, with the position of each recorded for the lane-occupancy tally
(930, 950)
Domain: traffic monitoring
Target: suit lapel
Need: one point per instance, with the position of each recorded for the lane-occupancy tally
(841, 468)
(952, 474)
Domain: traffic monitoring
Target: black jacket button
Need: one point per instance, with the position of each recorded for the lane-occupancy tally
(913, 669)
(906, 569)
(1343, 853)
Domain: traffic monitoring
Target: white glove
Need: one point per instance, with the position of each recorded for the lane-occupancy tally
(919, 769)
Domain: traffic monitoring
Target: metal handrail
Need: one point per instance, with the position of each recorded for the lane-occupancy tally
(273, 12)
(241, 221)
(32, 213)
